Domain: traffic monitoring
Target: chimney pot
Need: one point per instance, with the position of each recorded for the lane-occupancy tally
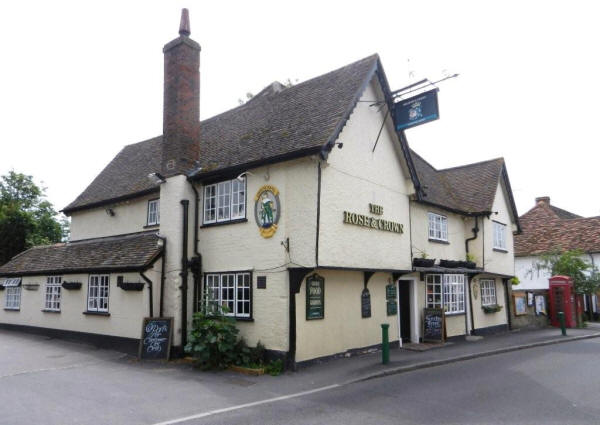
(184, 26)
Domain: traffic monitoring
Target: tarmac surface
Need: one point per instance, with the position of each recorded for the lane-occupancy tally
(52, 381)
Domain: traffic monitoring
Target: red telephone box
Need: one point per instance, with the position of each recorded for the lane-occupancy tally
(562, 298)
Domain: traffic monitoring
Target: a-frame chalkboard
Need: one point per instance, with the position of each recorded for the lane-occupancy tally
(155, 343)
(434, 325)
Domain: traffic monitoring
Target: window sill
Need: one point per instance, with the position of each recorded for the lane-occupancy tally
(151, 226)
(45, 310)
(96, 313)
(11, 309)
(439, 241)
(454, 314)
(244, 319)
(504, 251)
(222, 223)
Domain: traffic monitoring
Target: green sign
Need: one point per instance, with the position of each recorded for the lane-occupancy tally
(390, 292)
(315, 297)
(392, 308)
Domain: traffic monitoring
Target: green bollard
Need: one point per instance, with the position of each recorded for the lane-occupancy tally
(561, 319)
(385, 344)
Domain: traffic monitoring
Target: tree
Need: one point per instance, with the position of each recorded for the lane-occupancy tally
(27, 218)
(571, 263)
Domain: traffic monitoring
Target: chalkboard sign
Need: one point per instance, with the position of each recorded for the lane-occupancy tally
(315, 297)
(365, 303)
(156, 338)
(391, 307)
(433, 325)
(390, 292)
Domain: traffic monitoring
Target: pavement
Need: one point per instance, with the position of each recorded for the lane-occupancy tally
(38, 374)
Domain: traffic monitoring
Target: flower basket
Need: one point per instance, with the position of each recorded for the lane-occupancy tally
(489, 309)
(423, 262)
(450, 264)
(467, 264)
(131, 286)
(71, 285)
(31, 286)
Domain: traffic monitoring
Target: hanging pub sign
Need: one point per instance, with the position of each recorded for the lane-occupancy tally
(365, 303)
(315, 297)
(416, 110)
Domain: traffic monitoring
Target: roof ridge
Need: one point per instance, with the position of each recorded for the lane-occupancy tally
(500, 158)
(112, 237)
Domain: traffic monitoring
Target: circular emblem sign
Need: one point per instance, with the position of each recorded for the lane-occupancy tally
(267, 210)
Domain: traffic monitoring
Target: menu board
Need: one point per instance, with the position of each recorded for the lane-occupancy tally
(433, 325)
(365, 303)
(315, 297)
(156, 338)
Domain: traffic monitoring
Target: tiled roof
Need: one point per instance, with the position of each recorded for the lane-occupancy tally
(275, 123)
(548, 228)
(469, 188)
(120, 253)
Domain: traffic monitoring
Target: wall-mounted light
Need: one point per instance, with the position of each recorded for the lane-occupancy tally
(156, 178)
(110, 212)
(340, 145)
(244, 174)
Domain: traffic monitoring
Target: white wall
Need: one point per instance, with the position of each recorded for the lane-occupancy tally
(495, 261)
(531, 277)
(126, 308)
(130, 217)
(356, 176)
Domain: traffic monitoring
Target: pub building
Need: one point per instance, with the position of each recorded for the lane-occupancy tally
(303, 211)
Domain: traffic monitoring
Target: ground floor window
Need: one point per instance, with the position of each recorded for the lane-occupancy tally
(52, 293)
(230, 290)
(13, 298)
(446, 291)
(98, 293)
(488, 291)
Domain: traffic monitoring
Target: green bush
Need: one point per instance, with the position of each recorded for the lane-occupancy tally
(274, 368)
(212, 341)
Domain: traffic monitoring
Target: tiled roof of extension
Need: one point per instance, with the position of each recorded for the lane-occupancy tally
(276, 123)
(547, 228)
(469, 188)
(135, 252)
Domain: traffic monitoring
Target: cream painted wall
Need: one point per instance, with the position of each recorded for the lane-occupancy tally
(481, 319)
(529, 276)
(454, 250)
(126, 308)
(355, 176)
(499, 262)
(130, 217)
(343, 327)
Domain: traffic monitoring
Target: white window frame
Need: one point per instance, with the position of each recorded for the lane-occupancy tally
(438, 227)
(499, 235)
(445, 291)
(13, 298)
(53, 293)
(96, 300)
(225, 201)
(230, 289)
(153, 216)
(488, 292)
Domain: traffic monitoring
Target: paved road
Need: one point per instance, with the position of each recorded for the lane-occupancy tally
(56, 382)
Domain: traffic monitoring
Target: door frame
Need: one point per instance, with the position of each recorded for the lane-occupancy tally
(414, 311)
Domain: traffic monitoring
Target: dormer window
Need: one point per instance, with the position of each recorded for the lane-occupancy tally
(438, 227)
(153, 212)
(225, 201)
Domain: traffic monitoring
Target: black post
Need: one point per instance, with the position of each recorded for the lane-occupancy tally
(184, 273)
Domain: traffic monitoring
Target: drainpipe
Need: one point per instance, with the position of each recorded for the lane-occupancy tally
(162, 276)
(197, 273)
(184, 273)
(475, 231)
(150, 289)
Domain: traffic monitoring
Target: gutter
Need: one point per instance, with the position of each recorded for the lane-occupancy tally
(184, 273)
(149, 282)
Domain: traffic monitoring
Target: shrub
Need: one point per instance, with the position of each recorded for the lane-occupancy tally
(212, 341)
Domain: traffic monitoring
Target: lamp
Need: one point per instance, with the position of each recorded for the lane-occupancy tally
(156, 178)
(244, 174)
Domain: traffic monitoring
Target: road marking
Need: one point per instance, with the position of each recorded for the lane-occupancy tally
(243, 406)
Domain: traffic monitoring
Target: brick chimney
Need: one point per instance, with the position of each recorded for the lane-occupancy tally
(543, 200)
(181, 107)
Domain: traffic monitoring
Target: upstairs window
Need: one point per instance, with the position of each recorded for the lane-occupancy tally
(225, 201)
(153, 212)
(499, 236)
(438, 227)
(52, 293)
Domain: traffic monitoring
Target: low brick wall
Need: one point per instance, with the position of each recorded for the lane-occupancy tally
(529, 320)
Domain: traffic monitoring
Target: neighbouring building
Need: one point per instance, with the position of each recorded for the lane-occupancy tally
(547, 228)
(303, 211)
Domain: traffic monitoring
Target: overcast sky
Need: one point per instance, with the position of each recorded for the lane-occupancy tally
(79, 80)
